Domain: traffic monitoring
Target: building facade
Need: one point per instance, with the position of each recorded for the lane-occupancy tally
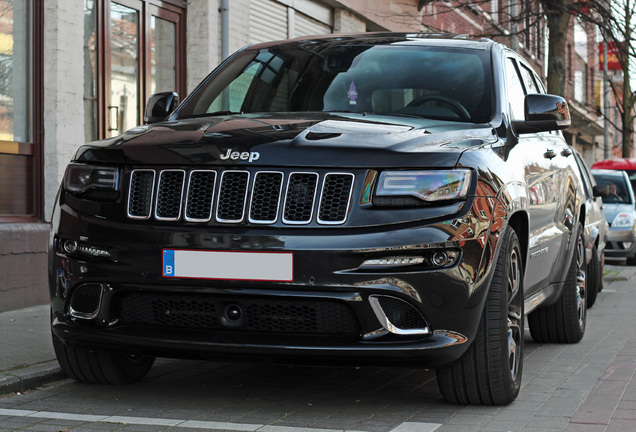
(73, 71)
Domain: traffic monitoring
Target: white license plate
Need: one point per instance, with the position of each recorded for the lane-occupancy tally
(257, 266)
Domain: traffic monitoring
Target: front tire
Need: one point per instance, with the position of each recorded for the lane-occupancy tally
(565, 320)
(489, 373)
(97, 367)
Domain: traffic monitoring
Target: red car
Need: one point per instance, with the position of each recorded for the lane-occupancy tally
(623, 164)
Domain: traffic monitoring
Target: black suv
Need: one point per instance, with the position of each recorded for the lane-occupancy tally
(381, 198)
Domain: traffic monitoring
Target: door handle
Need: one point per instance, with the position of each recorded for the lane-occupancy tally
(110, 118)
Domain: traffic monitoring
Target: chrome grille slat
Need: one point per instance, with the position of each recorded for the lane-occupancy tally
(230, 207)
(335, 198)
(200, 194)
(169, 195)
(266, 193)
(300, 198)
(240, 196)
(140, 193)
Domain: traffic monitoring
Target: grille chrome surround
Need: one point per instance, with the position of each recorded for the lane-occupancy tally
(240, 196)
(201, 184)
(335, 213)
(169, 195)
(141, 193)
(233, 183)
(260, 191)
(300, 198)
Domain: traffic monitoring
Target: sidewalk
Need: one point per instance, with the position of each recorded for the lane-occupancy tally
(27, 359)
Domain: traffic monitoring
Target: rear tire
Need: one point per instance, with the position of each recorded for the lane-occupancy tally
(489, 373)
(97, 367)
(594, 278)
(564, 321)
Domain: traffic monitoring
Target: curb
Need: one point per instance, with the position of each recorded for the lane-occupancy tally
(21, 380)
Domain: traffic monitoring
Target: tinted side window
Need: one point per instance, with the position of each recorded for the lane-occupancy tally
(516, 94)
(528, 80)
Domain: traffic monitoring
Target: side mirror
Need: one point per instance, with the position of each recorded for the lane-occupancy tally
(543, 113)
(601, 190)
(160, 105)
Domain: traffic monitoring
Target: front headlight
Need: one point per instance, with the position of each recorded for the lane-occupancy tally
(98, 181)
(624, 220)
(413, 187)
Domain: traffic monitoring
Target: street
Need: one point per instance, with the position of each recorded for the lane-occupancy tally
(581, 387)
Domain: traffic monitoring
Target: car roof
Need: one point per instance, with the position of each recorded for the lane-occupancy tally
(385, 38)
(616, 164)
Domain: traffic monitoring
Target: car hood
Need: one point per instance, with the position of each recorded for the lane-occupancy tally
(296, 139)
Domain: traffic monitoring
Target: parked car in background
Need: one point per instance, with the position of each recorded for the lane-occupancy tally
(380, 198)
(621, 164)
(620, 214)
(596, 230)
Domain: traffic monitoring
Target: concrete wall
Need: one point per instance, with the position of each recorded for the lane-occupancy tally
(23, 265)
(63, 91)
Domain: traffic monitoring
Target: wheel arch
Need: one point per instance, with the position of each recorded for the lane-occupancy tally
(519, 222)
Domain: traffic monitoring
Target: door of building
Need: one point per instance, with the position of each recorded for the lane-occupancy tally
(138, 49)
(143, 59)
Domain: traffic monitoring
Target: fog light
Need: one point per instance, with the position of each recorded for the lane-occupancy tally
(70, 246)
(440, 259)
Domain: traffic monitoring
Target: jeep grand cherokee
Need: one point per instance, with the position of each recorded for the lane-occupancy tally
(381, 198)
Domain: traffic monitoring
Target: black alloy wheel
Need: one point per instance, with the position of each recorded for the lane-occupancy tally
(565, 320)
(490, 371)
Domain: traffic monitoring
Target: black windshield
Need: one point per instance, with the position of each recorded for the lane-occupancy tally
(440, 83)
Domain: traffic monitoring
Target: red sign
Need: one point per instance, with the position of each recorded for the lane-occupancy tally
(612, 56)
(582, 7)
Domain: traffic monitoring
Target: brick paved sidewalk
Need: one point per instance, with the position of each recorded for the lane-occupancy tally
(611, 405)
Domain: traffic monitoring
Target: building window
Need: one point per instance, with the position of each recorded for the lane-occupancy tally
(580, 63)
(20, 112)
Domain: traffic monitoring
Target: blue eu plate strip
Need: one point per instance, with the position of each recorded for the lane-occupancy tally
(168, 262)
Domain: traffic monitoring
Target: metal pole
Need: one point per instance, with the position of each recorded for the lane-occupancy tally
(225, 45)
(606, 109)
(225, 29)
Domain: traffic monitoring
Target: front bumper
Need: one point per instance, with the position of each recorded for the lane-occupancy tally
(333, 309)
(621, 243)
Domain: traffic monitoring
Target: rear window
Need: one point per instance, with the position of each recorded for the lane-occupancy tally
(440, 83)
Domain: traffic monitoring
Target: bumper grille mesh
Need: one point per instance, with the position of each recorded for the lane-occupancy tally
(242, 196)
(315, 317)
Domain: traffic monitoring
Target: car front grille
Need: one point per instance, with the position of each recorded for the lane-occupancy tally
(298, 316)
(237, 196)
